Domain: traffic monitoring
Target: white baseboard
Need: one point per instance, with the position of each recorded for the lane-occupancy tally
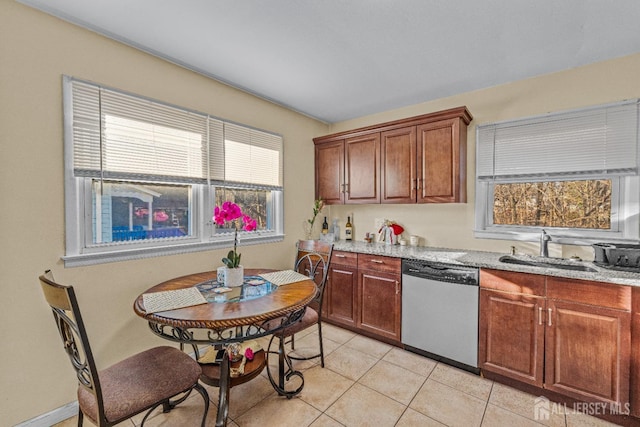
(53, 417)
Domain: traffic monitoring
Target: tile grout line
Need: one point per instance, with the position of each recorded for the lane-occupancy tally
(486, 404)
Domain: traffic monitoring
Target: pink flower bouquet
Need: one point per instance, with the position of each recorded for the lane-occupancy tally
(230, 212)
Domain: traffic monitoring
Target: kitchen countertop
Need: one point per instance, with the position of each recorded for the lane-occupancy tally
(488, 260)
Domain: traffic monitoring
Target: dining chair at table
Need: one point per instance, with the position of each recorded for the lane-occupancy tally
(312, 260)
(139, 383)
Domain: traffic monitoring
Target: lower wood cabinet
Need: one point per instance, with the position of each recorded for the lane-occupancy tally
(587, 352)
(364, 293)
(341, 292)
(380, 296)
(511, 338)
(569, 336)
(635, 353)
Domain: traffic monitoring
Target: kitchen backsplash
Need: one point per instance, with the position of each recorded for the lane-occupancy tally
(439, 225)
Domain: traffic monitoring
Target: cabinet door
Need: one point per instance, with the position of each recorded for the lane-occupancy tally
(512, 335)
(362, 166)
(634, 386)
(441, 165)
(398, 172)
(341, 295)
(329, 163)
(380, 303)
(587, 351)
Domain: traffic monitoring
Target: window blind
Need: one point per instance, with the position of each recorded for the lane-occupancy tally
(216, 151)
(598, 140)
(123, 136)
(252, 157)
(120, 136)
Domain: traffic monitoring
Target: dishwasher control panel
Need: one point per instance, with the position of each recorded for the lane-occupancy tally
(441, 272)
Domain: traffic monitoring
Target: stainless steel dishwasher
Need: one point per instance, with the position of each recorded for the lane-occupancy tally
(440, 312)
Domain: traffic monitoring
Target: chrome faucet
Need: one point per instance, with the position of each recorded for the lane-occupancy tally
(544, 244)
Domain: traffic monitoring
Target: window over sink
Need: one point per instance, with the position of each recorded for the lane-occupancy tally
(573, 173)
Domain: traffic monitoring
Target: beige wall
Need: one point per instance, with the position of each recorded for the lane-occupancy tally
(35, 51)
(451, 225)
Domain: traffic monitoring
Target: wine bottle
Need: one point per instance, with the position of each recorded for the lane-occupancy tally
(348, 230)
(325, 226)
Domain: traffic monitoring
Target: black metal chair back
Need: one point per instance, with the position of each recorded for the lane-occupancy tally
(66, 313)
(313, 260)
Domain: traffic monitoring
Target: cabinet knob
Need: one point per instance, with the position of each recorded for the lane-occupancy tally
(549, 319)
(377, 261)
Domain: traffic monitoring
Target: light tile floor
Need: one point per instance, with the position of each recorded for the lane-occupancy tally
(369, 383)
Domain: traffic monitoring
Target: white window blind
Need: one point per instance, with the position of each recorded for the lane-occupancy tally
(598, 140)
(252, 157)
(122, 136)
(216, 151)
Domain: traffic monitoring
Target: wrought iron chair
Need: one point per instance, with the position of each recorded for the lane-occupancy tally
(312, 260)
(139, 383)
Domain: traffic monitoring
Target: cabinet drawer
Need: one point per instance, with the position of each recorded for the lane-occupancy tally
(379, 263)
(349, 259)
(511, 281)
(588, 292)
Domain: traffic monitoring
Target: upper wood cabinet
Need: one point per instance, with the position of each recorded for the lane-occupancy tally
(398, 152)
(442, 162)
(420, 159)
(361, 169)
(330, 172)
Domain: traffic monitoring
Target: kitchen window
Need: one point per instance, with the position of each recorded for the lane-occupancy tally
(572, 173)
(142, 177)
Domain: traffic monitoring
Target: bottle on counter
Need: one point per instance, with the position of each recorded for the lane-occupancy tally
(335, 229)
(325, 226)
(348, 230)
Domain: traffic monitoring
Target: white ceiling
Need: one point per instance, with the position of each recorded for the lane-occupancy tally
(339, 59)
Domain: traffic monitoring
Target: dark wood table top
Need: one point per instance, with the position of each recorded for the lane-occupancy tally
(281, 302)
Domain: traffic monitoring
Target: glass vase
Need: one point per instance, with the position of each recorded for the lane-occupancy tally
(309, 230)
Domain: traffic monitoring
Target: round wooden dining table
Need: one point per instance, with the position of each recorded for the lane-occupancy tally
(244, 313)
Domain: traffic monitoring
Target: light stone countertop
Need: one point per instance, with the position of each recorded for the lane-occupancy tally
(489, 260)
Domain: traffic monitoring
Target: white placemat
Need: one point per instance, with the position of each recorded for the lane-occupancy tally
(284, 277)
(171, 300)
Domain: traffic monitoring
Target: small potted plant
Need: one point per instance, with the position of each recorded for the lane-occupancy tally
(233, 272)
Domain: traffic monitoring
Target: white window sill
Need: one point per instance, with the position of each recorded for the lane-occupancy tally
(103, 257)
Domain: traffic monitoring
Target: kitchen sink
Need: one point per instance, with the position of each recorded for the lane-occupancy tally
(551, 263)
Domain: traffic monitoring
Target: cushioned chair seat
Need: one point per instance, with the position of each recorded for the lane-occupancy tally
(160, 372)
(310, 318)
